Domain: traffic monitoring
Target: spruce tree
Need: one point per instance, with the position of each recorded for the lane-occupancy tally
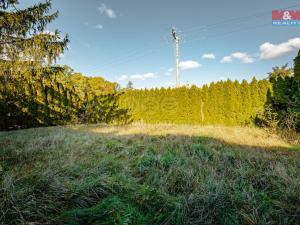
(23, 38)
(25, 49)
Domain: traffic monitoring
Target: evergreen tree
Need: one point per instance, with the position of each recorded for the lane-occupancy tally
(246, 102)
(296, 91)
(296, 83)
(282, 72)
(34, 92)
(229, 98)
(254, 93)
(25, 48)
(129, 85)
(283, 101)
(227, 103)
(204, 110)
(24, 41)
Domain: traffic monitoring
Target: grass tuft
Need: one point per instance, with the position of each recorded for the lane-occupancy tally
(148, 174)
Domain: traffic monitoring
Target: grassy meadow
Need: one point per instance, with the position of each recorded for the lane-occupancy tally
(148, 174)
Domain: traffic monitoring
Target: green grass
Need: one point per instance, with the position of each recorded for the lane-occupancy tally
(148, 174)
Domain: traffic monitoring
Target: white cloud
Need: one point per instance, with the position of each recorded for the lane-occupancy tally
(189, 64)
(208, 56)
(123, 77)
(99, 26)
(111, 13)
(104, 10)
(227, 59)
(271, 51)
(144, 76)
(266, 51)
(169, 72)
(242, 56)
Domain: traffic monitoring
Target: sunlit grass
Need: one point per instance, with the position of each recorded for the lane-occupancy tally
(247, 136)
(148, 174)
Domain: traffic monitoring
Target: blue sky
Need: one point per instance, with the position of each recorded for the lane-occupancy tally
(123, 40)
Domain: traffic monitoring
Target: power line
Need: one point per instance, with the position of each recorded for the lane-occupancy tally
(144, 51)
(135, 57)
(230, 32)
(151, 51)
(237, 19)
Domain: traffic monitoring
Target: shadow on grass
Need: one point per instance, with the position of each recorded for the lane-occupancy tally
(214, 142)
(75, 176)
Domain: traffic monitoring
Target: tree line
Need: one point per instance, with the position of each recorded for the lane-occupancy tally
(224, 102)
(272, 102)
(34, 91)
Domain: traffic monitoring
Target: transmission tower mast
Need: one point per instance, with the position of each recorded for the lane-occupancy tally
(176, 39)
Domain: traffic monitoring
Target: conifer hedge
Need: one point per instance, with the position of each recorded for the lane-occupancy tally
(224, 103)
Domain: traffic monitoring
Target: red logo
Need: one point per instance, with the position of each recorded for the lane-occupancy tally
(286, 15)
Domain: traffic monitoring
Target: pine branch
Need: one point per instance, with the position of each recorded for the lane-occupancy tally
(31, 19)
(4, 4)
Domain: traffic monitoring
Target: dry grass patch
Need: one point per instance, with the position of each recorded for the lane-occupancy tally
(148, 174)
(245, 136)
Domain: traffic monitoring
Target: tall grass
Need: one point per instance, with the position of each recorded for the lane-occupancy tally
(148, 174)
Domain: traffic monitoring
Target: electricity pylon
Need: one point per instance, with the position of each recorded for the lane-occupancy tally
(176, 39)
